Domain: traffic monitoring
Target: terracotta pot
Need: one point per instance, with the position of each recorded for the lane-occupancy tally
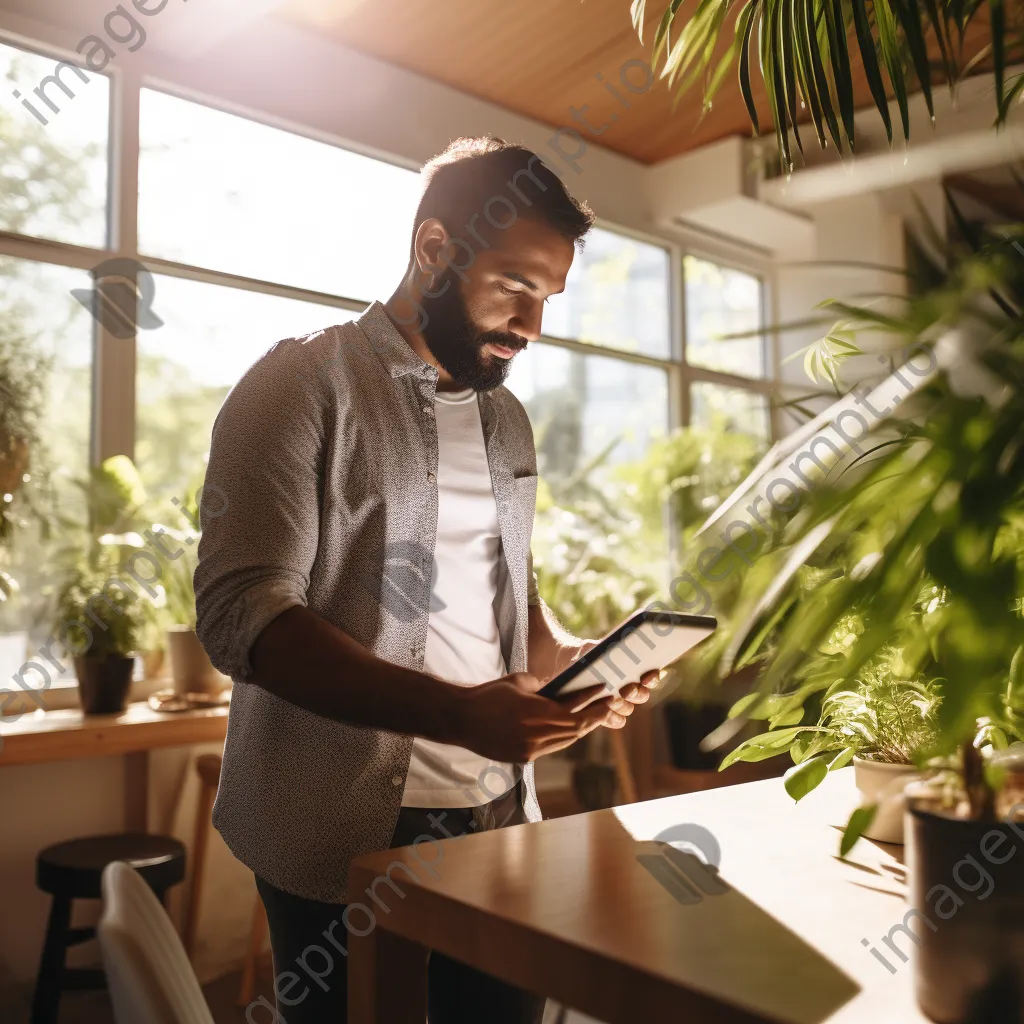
(968, 948)
(191, 669)
(882, 783)
(104, 681)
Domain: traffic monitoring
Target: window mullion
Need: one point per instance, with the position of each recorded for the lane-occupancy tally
(114, 367)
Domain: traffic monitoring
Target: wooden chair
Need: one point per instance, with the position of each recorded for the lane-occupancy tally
(208, 766)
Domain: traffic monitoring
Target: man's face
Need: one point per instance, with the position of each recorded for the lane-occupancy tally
(475, 328)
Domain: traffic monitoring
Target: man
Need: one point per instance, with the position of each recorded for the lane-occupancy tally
(367, 581)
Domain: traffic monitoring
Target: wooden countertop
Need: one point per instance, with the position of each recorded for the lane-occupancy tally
(565, 908)
(45, 736)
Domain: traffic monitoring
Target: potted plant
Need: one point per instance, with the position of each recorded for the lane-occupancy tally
(884, 725)
(191, 668)
(99, 619)
(907, 558)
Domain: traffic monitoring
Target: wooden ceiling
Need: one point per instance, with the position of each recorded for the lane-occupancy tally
(539, 58)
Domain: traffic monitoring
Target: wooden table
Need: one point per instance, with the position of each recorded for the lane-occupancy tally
(565, 909)
(45, 736)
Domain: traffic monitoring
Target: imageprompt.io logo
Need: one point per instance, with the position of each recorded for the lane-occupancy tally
(121, 297)
(684, 860)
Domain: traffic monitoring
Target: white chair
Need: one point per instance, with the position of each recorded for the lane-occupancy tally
(149, 976)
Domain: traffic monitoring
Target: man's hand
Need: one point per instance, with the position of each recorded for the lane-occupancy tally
(506, 720)
(629, 696)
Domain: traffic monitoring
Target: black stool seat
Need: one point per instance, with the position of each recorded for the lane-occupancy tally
(75, 868)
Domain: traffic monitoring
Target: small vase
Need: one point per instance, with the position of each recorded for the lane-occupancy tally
(104, 681)
(191, 669)
(882, 783)
(966, 896)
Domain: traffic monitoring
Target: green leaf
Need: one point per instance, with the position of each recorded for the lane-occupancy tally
(890, 46)
(842, 76)
(802, 778)
(745, 706)
(842, 759)
(859, 823)
(869, 58)
(759, 748)
(909, 19)
(745, 30)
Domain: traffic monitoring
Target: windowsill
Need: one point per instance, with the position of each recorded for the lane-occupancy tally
(62, 695)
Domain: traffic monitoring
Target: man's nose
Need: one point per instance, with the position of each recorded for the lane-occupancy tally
(527, 323)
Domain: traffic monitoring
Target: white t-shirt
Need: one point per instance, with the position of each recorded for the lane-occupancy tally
(463, 643)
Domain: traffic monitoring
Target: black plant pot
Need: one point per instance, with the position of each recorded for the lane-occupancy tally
(969, 959)
(103, 682)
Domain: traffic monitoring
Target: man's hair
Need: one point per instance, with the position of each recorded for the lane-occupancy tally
(496, 182)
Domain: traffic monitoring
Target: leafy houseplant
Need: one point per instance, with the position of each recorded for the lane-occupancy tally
(99, 615)
(913, 552)
(806, 62)
(191, 668)
(101, 621)
(884, 724)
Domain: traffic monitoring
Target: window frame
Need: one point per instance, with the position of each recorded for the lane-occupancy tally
(113, 418)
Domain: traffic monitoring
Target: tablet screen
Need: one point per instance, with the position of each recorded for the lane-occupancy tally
(647, 641)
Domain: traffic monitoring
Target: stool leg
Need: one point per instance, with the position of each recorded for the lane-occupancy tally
(46, 1000)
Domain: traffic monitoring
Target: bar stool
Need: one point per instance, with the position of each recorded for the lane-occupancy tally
(74, 870)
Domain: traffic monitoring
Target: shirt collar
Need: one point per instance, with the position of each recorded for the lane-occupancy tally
(397, 356)
(394, 351)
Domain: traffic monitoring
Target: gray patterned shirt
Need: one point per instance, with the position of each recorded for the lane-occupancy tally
(324, 457)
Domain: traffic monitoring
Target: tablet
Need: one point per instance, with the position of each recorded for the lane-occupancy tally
(646, 641)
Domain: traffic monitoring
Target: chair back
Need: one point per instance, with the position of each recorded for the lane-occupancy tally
(150, 978)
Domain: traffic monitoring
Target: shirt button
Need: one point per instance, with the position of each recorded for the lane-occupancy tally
(397, 780)
(431, 476)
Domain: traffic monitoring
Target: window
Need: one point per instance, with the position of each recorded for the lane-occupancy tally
(53, 149)
(210, 336)
(230, 194)
(588, 409)
(617, 294)
(721, 301)
(315, 231)
(733, 409)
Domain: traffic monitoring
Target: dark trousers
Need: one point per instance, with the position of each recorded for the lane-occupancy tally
(309, 938)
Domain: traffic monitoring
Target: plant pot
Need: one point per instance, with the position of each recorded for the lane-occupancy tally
(969, 955)
(882, 782)
(191, 669)
(104, 681)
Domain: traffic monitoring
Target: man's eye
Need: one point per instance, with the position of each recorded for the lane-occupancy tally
(508, 291)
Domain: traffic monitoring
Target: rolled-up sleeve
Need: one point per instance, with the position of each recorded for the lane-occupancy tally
(260, 508)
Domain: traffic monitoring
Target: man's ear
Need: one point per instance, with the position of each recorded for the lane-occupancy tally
(431, 238)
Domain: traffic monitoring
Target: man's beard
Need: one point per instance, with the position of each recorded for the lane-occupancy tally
(458, 346)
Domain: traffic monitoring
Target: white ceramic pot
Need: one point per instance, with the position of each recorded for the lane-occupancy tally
(190, 664)
(882, 783)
